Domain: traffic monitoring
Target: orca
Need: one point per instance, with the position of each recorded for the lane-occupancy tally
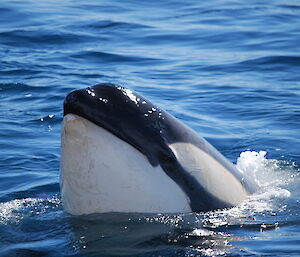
(121, 153)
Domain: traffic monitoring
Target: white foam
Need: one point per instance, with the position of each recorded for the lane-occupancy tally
(273, 178)
(8, 210)
(250, 162)
(271, 175)
(267, 172)
(15, 210)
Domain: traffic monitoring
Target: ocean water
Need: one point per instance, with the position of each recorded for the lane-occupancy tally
(230, 69)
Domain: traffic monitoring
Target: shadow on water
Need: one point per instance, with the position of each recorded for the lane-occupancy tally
(116, 234)
(23, 222)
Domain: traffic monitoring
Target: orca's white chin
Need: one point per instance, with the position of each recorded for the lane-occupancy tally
(102, 173)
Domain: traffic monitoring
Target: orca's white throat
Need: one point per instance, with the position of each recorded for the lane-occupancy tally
(101, 173)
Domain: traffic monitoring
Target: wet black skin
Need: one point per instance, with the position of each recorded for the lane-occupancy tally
(150, 130)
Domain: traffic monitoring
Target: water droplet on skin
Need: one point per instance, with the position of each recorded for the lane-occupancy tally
(91, 92)
(103, 100)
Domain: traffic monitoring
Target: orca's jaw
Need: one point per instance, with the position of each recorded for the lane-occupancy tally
(102, 173)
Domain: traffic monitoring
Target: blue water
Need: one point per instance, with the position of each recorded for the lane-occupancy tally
(229, 69)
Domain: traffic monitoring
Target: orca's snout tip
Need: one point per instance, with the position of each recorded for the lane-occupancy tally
(71, 97)
(71, 100)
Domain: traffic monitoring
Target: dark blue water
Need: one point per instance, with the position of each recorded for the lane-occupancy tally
(229, 69)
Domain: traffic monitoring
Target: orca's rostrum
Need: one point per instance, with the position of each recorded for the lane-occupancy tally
(121, 153)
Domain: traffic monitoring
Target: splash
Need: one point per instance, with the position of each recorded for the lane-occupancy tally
(18, 209)
(266, 172)
(273, 178)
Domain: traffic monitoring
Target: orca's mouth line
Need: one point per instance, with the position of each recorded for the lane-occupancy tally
(75, 116)
(117, 135)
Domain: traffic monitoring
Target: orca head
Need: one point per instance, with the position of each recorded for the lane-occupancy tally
(122, 153)
(127, 115)
(113, 144)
